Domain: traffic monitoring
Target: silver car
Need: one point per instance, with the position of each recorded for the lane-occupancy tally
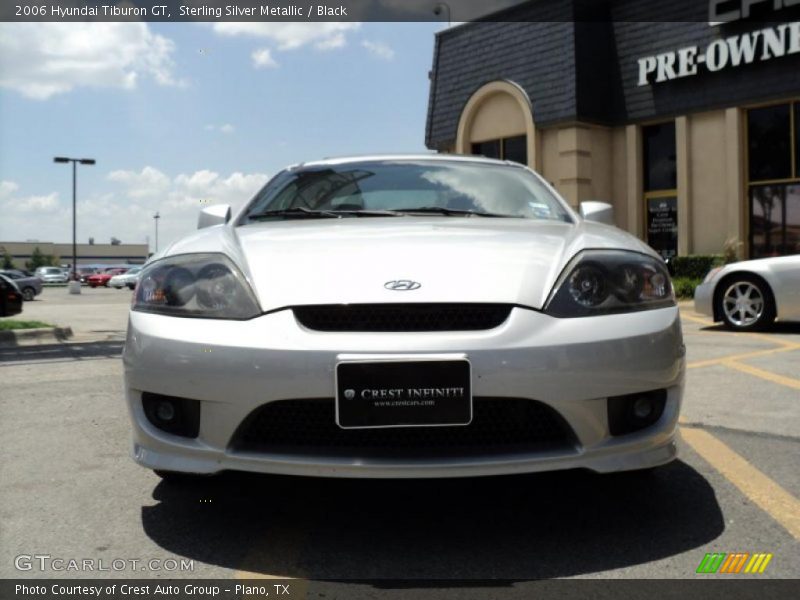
(751, 294)
(423, 316)
(52, 275)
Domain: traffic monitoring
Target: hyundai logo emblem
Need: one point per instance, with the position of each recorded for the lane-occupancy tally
(349, 394)
(402, 285)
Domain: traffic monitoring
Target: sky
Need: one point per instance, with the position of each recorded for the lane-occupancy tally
(179, 114)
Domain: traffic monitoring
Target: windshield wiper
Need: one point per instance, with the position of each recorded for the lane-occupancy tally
(297, 212)
(440, 210)
(360, 212)
(302, 212)
(308, 213)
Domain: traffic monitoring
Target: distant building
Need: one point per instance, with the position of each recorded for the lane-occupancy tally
(112, 254)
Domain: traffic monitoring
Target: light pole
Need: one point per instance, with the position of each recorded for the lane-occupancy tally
(156, 217)
(74, 161)
(441, 7)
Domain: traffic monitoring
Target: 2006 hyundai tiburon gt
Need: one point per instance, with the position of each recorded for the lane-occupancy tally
(424, 316)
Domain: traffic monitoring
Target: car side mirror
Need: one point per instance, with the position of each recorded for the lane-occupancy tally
(599, 212)
(219, 214)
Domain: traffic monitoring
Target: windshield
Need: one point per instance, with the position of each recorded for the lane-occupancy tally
(432, 187)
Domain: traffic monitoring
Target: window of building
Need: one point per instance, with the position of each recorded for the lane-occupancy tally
(773, 145)
(660, 157)
(660, 178)
(510, 148)
(490, 149)
(769, 143)
(797, 139)
(516, 149)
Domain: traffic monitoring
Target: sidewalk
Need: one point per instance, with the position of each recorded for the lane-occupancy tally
(94, 315)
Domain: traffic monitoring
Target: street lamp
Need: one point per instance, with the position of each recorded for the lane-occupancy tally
(74, 161)
(440, 8)
(156, 217)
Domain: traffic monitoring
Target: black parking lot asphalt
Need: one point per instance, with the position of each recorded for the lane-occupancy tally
(71, 490)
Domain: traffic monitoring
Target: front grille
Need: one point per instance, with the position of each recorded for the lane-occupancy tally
(402, 317)
(308, 427)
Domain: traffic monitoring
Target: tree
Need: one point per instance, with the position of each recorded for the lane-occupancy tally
(8, 260)
(40, 260)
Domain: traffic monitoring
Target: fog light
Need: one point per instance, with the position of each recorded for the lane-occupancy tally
(178, 416)
(634, 412)
(165, 410)
(642, 408)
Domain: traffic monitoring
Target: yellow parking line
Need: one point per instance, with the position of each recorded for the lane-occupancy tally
(696, 319)
(774, 340)
(732, 357)
(768, 375)
(757, 487)
(767, 338)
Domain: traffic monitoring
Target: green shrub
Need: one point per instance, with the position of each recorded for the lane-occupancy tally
(8, 325)
(684, 286)
(696, 266)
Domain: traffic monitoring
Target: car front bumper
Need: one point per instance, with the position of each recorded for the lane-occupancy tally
(704, 299)
(570, 365)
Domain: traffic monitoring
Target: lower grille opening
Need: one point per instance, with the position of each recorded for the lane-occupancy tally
(402, 317)
(499, 426)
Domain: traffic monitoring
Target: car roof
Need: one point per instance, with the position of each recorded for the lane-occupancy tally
(444, 158)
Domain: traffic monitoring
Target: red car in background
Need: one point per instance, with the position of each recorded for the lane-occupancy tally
(102, 278)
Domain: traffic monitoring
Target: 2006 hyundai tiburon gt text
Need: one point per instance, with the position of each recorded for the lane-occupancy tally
(404, 316)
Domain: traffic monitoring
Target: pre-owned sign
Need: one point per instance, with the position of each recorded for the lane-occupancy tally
(733, 51)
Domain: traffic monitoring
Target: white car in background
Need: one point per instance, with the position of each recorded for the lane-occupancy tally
(751, 294)
(423, 316)
(127, 279)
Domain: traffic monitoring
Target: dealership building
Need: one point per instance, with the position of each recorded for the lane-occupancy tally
(86, 254)
(685, 115)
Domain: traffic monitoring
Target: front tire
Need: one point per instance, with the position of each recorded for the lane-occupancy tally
(745, 303)
(28, 294)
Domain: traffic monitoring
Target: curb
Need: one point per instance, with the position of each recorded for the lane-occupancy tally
(40, 335)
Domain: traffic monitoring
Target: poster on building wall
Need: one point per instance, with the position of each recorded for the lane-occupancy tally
(662, 226)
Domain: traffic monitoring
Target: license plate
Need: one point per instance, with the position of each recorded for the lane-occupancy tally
(403, 393)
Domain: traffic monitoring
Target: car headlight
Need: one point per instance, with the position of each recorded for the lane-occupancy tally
(195, 285)
(711, 274)
(599, 282)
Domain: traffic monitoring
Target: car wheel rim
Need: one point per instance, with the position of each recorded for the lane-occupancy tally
(743, 304)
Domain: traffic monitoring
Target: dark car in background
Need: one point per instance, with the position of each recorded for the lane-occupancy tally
(10, 297)
(29, 286)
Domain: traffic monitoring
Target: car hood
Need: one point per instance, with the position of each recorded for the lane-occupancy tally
(454, 259)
